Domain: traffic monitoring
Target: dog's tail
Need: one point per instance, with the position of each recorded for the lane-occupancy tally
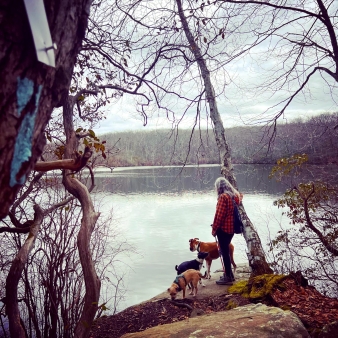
(203, 276)
(176, 267)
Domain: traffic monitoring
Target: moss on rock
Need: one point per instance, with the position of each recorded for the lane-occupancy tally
(231, 305)
(259, 287)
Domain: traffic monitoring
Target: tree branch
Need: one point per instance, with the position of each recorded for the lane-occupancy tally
(328, 245)
(12, 309)
(68, 164)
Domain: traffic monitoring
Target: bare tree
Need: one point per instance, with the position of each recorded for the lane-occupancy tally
(51, 288)
(303, 40)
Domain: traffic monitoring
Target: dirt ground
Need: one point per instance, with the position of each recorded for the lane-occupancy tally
(313, 309)
(159, 312)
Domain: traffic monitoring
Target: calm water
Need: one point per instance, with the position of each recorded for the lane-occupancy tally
(159, 209)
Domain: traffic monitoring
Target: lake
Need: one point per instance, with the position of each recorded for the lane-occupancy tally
(157, 210)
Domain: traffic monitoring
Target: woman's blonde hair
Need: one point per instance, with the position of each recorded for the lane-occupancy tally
(222, 186)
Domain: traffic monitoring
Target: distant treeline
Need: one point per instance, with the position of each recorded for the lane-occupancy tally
(317, 137)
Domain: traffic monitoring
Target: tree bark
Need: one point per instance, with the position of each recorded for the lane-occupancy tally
(12, 309)
(89, 218)
(71, 164)
(30, 89)
(255, 253)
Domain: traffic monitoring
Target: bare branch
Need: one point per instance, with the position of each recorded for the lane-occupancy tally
(67, 164)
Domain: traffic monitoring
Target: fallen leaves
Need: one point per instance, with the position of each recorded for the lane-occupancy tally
(313, 309)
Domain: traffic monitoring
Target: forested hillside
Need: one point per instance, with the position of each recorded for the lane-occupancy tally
(316, 137)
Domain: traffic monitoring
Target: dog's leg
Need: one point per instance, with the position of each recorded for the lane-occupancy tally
(183, 290)
(201, 282)
(192, 289)
(189, 286)
(195, 289)
(208, 264)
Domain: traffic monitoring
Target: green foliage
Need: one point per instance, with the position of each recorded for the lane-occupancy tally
(59, 152)
(306, 198)
(286, 165)
(93, 142)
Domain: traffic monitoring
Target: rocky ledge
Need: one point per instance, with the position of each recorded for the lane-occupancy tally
(254, 321)
(285, 307)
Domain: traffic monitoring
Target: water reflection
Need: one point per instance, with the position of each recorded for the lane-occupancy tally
(250, 178)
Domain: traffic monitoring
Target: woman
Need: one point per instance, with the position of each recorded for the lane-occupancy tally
(223, 226)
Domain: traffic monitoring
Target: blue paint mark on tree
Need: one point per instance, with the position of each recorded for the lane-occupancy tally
(24, 93)
(23, 143)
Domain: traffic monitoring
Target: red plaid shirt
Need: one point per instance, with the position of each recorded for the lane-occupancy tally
(224, 216)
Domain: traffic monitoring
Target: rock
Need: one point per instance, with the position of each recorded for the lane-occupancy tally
(196, 312)
(254, 321)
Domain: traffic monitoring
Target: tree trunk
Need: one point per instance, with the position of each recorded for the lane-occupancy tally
(89, 218)
(12, 309)
(255, 253)
(30, 89)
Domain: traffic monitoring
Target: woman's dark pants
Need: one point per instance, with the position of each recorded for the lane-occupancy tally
(224, 240)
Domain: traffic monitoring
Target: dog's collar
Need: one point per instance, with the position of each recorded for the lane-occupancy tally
(198, 246)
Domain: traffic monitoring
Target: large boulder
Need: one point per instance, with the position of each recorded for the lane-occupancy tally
(254, 320)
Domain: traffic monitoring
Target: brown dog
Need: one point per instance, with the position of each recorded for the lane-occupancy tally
(211, 247)
(190, 276)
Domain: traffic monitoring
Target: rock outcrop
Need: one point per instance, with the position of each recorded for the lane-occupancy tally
(254, 321)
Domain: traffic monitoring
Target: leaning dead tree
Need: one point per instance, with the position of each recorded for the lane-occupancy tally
(255, 253)
(31, 89)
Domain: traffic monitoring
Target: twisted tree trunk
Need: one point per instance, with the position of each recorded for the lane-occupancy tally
(255, 253)
(89, 218)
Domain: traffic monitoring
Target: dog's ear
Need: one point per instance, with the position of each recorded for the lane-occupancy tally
(168, 290)
(190, 240)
